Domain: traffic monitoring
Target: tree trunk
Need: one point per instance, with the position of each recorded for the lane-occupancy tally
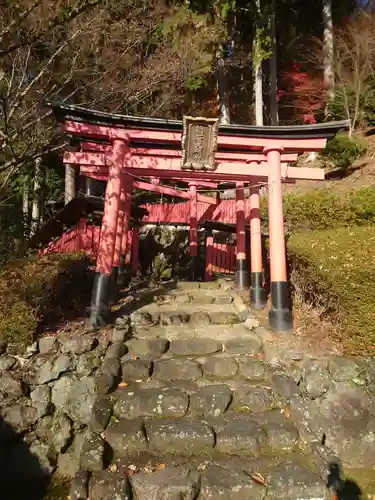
(70, 183)
(258, 74)
(328, 47)
(36, 210)
(224, 116)
(274, 108)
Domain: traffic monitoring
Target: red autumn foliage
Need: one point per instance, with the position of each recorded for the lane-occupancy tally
(304, 94)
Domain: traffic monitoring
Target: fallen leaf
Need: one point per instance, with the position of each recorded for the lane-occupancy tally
(258, 478)
(113, 468)
(122, 385)
(161, 466)
(286, 412)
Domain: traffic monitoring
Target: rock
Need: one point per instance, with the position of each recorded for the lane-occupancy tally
(316, 380)
(68, 462)
(343, 369)
(179, 436)
(41, 400)
(78, 344)
(31, 350)
(151, 402)
(109, 486)
(61, 432)
(41, 450)
(177, 483)
(121, 331)
(111, 366)
(291, 482)
(20, 416)
(79, 487)
(136, 369)
(3, 346)
(53, 367)
(284, 385)
(281, 433)
(252, 369)
(344, 419)
(182, 299)
(10, 389)
(141, 318)
(199, 319)
(43, 428)
(223, 299)
(220, 367)
(177, 369)
(81, 399)
(251, 345)
(194, 347)
(116, 350)
(254, 399)
(7, 362)
(239, 435)
(147, 349)
(48, 345)
(88, 362)
(251, 322)
(223, 318)
(61, 389)
(212, 400)
(100, 414)
(167, 319)
(92, 455)
(104, 383)
(218, 483)
(126, 436)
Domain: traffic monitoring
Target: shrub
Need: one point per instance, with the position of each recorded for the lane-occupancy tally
(334, 269)
(41, 289)
(324, 209)
(343, 151)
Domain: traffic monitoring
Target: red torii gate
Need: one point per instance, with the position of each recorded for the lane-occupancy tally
(133, 147)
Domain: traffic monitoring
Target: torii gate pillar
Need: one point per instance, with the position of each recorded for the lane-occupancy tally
(280, 315)
(242, 269)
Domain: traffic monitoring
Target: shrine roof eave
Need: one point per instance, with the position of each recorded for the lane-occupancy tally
(64, 112)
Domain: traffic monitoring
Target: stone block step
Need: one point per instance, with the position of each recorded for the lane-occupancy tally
(232, 434)
(199, 479)
(171, 332)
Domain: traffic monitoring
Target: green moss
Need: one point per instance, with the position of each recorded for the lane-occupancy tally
(40, 289)
(334, 270)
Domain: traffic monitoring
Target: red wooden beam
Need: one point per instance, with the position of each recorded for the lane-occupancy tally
(172, 192)
(170, 153)
(166, 168)
(251, 143)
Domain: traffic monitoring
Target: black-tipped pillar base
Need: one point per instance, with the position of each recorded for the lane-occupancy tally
(113, 291)
(99, 309)
(280, 316)
(193, 268)
(242, 274)
(258, 295)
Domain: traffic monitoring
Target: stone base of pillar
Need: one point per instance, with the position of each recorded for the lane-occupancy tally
(280, 315)
(258, 295)
(99, 309)
(113, 291)
(242, 274)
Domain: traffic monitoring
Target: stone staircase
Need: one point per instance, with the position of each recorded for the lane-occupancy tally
(197, 414)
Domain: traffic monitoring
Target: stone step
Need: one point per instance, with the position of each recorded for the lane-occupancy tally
(172, 332)
(281, 480)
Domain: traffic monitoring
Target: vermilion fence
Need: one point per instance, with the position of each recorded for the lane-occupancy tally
(223, 258)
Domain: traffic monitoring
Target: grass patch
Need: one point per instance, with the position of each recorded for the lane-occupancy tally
(40, 290)
(334, 271)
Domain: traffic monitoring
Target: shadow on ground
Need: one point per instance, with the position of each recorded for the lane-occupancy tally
(21, 474)
(342, 489)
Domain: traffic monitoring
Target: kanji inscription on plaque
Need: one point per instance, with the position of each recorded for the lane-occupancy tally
(199, 143)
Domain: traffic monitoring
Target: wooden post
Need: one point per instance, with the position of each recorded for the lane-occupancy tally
(258, 294)
(102, 282)
(280, 315)
(209, 255)
(193, 230)
(242, 270)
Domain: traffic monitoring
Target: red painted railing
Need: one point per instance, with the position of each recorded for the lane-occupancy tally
(223, 258)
